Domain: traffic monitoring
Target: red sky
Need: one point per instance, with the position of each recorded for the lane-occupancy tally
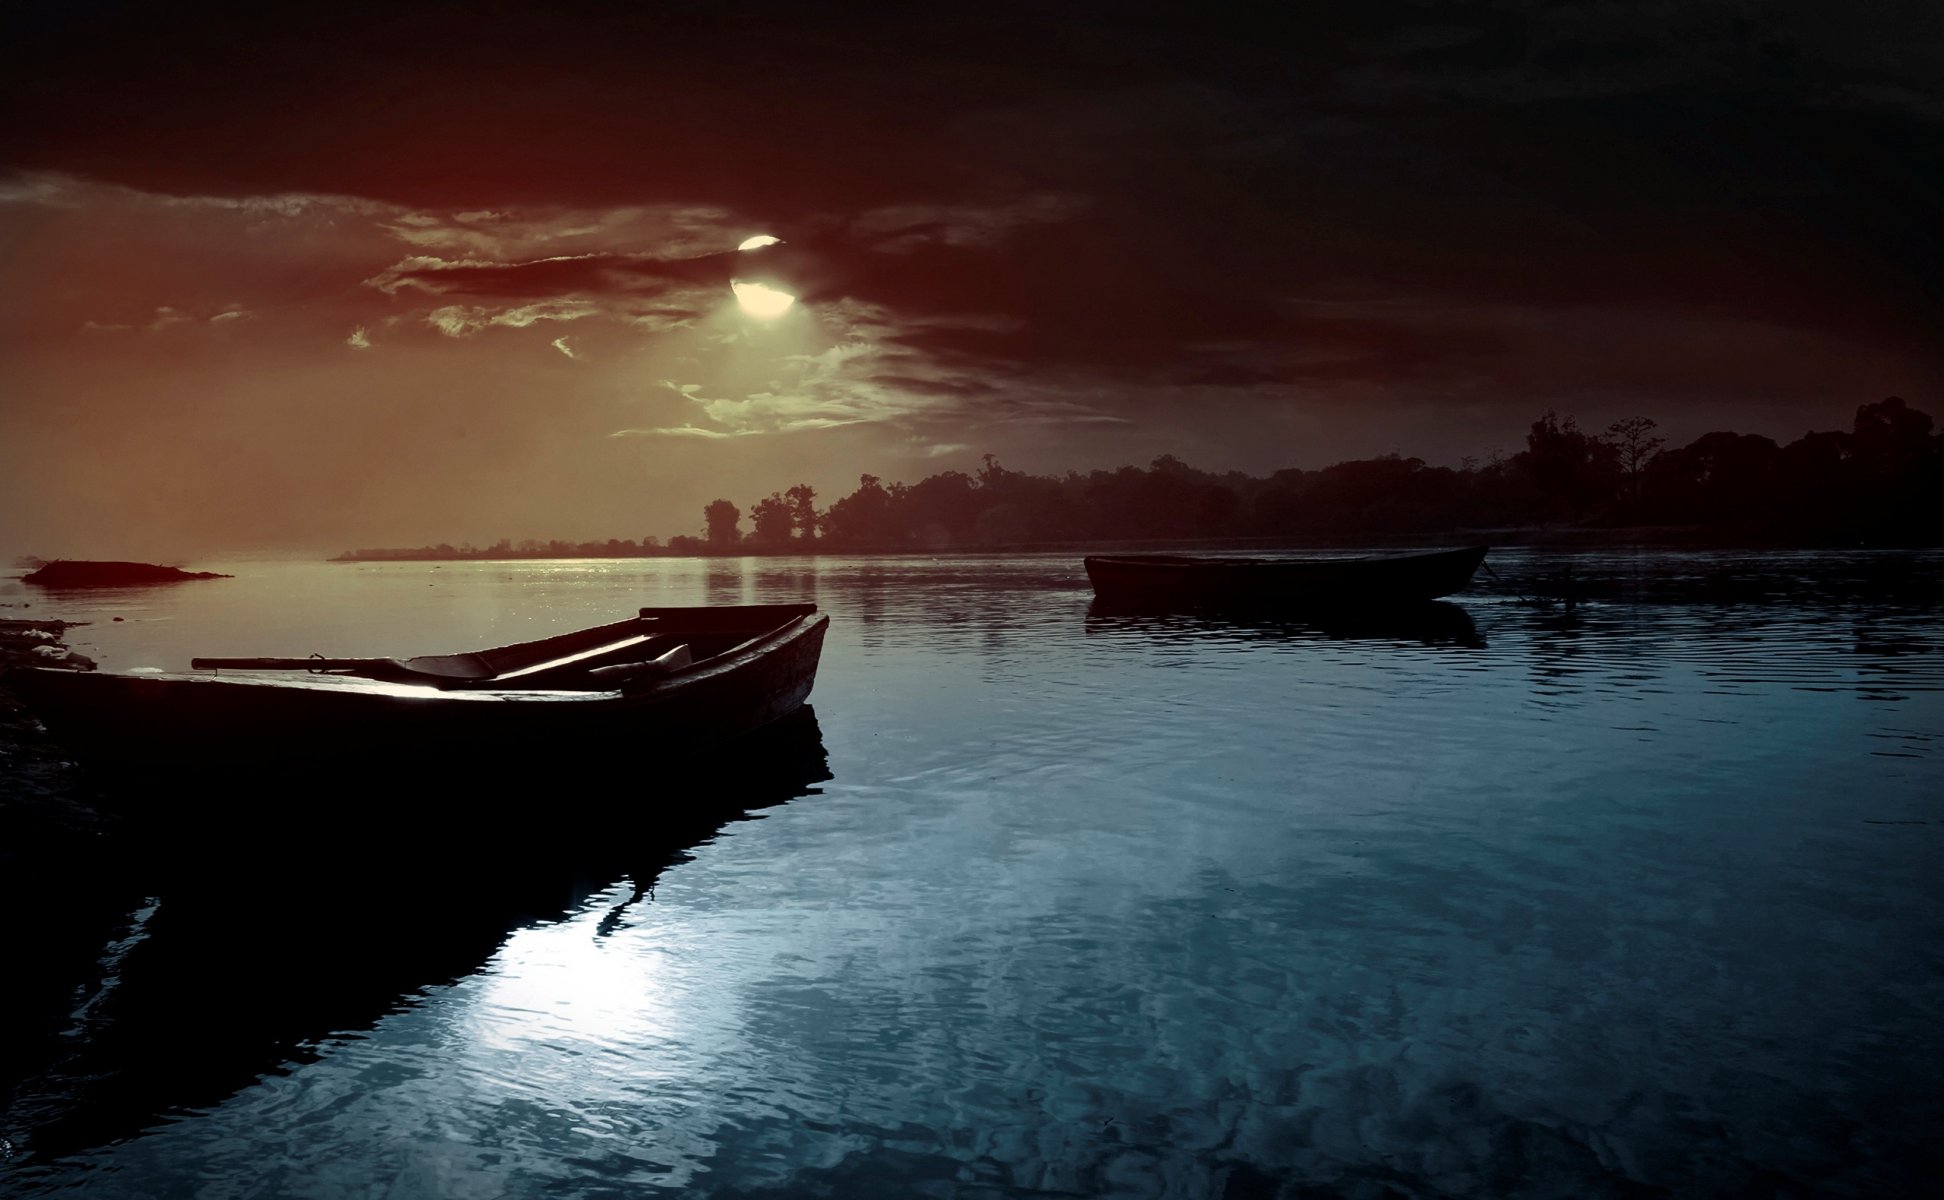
(276, 277)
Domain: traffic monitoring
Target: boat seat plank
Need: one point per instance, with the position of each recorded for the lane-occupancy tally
(581, 656)
(622, 674)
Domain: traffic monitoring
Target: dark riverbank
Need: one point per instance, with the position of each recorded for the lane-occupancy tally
(43, 801)
(1660, 537)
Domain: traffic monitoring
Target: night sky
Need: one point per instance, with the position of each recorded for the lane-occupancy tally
(309, 277)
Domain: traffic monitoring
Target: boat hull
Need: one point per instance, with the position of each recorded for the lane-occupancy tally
(334, 730)
(1295, 585)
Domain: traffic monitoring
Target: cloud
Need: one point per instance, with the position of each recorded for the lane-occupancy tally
(1051, 410)
(358, 340)
(473, 277)
(679, 431)
(62, 190)
(168, 317)
(560, 344)
(904, 227)
(48, 189)
(571, 308)
(555, 232)
(460, 320)
(847, 385)
(664, 318)
(988, 286)
(939, 387)
(654, 295)
(812, 392)
(590, 273)
(457, 320)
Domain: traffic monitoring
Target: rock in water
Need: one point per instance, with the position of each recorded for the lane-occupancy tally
(73, 573)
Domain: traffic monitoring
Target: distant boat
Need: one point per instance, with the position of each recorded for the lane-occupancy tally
(1285, 584)
(670, 681)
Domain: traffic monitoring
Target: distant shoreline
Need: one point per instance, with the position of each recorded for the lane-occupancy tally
(1659, 536)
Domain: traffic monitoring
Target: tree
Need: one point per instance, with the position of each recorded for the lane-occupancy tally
(803, 510)
(1720, 477)
(1898, 467)
(940, 510)
(1569, 468)
(992, 474)
(1892, 439)
(1387, 493)
(864, 517)
(773, 519)
(721, 519)
(1636, 442)
(1816, 487)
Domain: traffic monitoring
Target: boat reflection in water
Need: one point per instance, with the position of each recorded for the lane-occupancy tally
(205, 962)
(1346, 583)
(1430, 623)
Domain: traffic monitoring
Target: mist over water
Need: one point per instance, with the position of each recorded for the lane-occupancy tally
(1638, 896)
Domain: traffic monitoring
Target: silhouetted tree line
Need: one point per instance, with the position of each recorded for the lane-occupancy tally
(1881, 480)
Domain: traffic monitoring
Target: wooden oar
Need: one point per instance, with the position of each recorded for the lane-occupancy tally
(316, 662)
(441, 666)
(445, 669)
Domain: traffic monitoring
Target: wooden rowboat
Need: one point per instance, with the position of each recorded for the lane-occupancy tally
(1287, 584)
(666, 680)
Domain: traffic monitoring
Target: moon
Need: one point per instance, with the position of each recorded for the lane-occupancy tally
(760, 299)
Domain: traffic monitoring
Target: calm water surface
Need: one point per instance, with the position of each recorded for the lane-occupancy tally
(1640, 898)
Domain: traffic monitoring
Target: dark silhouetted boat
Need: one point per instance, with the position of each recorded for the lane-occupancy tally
(1310, 585)
(670, 681)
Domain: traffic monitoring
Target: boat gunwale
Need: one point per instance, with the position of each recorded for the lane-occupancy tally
(736, 656)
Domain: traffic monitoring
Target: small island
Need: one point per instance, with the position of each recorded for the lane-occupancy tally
(79, 573)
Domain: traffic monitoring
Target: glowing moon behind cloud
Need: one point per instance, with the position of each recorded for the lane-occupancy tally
(760, 299)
